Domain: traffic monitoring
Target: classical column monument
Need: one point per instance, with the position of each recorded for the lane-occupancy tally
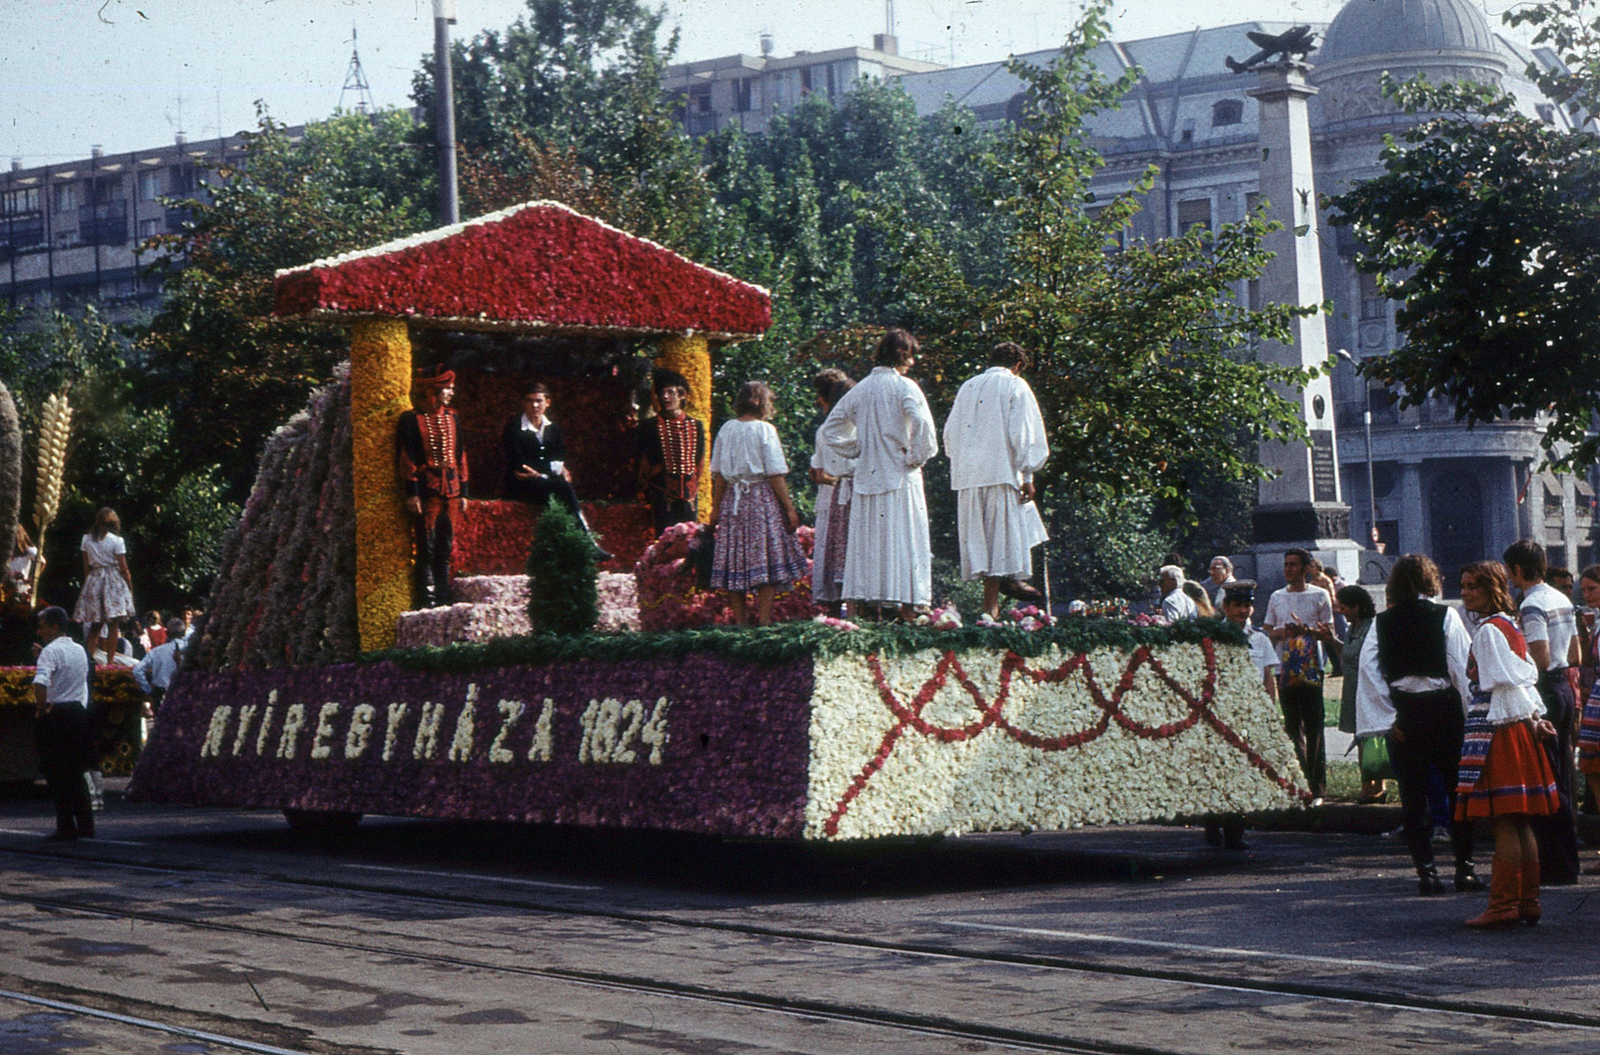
(1301, 505)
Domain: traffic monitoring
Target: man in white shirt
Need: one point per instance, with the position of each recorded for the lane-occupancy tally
(1175, 604)
(885, 424)
(1412, 687)
(1299, 619)
(1550, 626)
(61, 696)
(154, 673)
(996, 442)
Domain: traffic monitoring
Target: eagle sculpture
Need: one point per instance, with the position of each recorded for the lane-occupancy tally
(1297, 42)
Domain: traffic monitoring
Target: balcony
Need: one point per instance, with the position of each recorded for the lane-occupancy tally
(19, 235)
(103, 224)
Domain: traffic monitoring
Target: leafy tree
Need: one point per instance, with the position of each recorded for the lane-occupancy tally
(566, 103)
(215, 356)
(123, 454)
(1485, 226)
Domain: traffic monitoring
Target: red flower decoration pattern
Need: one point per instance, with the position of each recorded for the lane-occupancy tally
(992, 713)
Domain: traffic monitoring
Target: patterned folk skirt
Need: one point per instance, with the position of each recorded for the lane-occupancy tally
(827, 570)
(1589, 734)
(754, 546)
(105, 596)
(1504, 771)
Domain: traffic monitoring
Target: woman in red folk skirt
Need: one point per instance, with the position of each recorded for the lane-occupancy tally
(1505, 774)
(1589, 686)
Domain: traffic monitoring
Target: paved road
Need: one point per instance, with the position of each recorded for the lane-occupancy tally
(213, 931)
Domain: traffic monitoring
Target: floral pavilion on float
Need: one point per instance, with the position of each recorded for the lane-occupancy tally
(313, 690)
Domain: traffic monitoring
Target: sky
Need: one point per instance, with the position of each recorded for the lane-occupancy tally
(129, 74)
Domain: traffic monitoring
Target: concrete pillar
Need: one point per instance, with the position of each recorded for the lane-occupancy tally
(1569, 523)
(1413, 519)
(380, 391)
(1302, 504)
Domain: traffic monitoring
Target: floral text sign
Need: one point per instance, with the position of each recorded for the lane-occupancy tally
(695, 744)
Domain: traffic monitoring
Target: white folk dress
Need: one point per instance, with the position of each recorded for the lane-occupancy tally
(996, 442)
(885, 424)
(105, 595)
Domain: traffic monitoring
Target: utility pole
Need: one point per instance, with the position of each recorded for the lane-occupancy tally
(444, 110)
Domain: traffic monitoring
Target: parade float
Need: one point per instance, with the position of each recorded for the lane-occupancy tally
(307, 690)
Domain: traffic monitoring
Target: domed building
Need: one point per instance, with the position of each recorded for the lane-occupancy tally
(1439, 488)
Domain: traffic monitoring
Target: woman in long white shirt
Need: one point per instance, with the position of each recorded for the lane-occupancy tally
(1505, 775)
(833, 476)
(751, 510)
(996, 442)
(885, 424)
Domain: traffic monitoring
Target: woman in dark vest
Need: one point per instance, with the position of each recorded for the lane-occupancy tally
(1413, 686)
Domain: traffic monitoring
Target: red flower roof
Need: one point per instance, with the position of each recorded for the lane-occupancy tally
(537, 267)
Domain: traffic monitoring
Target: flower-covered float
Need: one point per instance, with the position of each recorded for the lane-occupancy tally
(297, 696)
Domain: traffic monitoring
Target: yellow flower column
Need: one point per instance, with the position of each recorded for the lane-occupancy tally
(380, 390)
(691, 357)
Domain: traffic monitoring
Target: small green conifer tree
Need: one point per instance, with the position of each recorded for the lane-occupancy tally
(562, 595)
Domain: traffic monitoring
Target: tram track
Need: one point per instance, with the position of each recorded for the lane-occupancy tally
(921, 1025)
(932, 1025)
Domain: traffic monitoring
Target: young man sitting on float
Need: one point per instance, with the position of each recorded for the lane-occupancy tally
(536, 457)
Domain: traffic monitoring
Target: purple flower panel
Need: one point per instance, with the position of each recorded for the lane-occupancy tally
(696, 744)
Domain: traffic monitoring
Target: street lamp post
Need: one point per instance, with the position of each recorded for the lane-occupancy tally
(444, 110)
(1366, 420)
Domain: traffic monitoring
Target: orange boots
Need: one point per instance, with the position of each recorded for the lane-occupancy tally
(1528, 903)
(1506, 898)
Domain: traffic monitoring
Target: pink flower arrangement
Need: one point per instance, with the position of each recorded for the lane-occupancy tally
(668, 598)
(843, 625)
(1029, 617)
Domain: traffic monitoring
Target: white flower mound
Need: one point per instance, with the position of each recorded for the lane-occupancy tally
(992, 781)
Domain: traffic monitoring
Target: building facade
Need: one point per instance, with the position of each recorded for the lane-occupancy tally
(1438, 487)
(73, 233)
(748, 91)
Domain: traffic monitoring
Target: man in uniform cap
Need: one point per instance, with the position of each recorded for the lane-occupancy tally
(433, 471)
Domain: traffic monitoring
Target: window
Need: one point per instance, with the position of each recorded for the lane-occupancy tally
(1186, 134)
(1547, 113)
(742, 95)
(1227, 112)
(1374, 305)
(149, 228)
(150, 187)
(19, 202)
(1196, 212)
(67, 197)
(1253, 295)
(805, 80)
(833, 84)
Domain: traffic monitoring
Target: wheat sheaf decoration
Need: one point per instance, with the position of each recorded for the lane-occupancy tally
(55, 426)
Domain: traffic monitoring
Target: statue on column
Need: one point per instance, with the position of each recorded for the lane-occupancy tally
(433, 472)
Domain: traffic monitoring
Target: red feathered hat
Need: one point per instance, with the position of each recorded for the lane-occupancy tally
(433, 377)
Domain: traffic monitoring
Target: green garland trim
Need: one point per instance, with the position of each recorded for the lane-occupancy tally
(788, 642)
